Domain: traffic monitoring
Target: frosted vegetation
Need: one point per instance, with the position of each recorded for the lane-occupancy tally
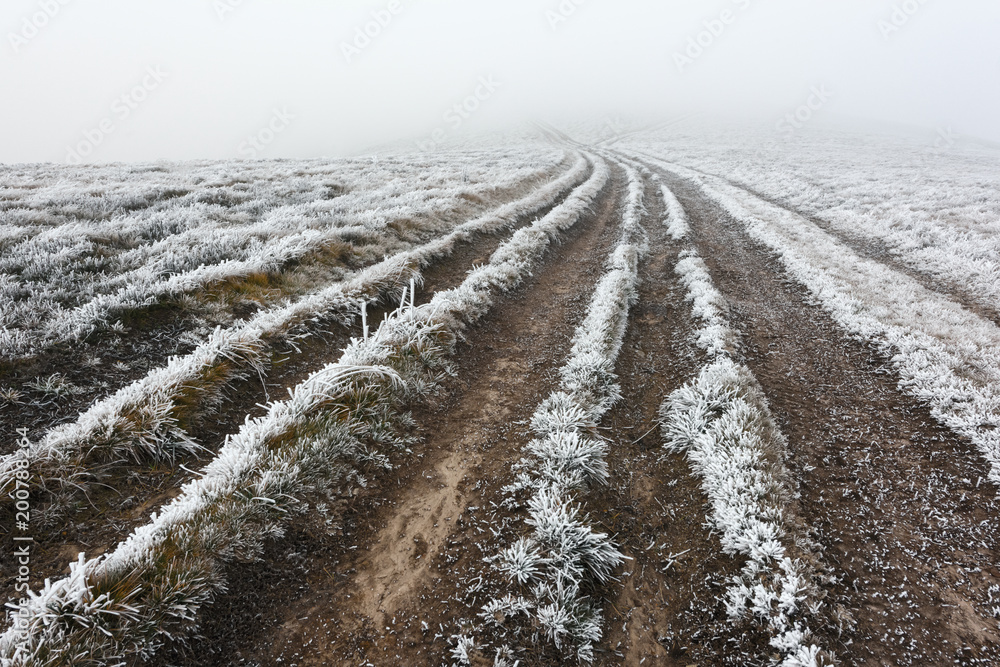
(722, 421)
(145, 420)
(341, 419)
(551, 570)
(946, 355)
(81, 247)
(934, 209)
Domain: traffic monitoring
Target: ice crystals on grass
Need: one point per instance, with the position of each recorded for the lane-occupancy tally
(169, 568)
(522, 561)
(563, 554)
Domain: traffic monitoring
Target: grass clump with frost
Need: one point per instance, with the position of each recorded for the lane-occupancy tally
(555, 567)
(722, 422)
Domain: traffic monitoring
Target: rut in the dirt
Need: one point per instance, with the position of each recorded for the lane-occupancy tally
(397, 551)
(654, 505)
(900, 504)
(880, 251)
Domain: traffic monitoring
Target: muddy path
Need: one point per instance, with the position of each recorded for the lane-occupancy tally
(397, 556)
(655, 506)
(899, 503)
(127, 499)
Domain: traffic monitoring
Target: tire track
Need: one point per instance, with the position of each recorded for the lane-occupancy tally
(879, 250)
(363, 596)
(900, 503)
(876, 250)
(669, 607)
(655, 506)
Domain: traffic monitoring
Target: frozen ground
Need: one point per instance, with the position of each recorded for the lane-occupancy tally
(667, 397)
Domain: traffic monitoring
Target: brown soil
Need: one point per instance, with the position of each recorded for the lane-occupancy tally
(900, 504)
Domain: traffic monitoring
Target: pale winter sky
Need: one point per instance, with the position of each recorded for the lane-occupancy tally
(109, 80)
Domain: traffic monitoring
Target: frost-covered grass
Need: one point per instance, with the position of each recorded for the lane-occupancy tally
(946, 355)
(152, 586)
(676, 219)
(708, 305)
(146, 419)
(83, 246)
(552, 568)
(722, 421)
(935, 210)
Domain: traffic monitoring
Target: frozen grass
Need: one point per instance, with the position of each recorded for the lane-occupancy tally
(934, 209)
(945, 355)
(146, 419)
(83, 246)
(708, 305)
(722, 421)
(152, 586)
(553, 568)
(676, 219)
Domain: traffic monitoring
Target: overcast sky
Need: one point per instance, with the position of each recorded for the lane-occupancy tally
(108, 80)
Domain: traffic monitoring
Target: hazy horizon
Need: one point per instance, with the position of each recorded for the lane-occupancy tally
(215, 79)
